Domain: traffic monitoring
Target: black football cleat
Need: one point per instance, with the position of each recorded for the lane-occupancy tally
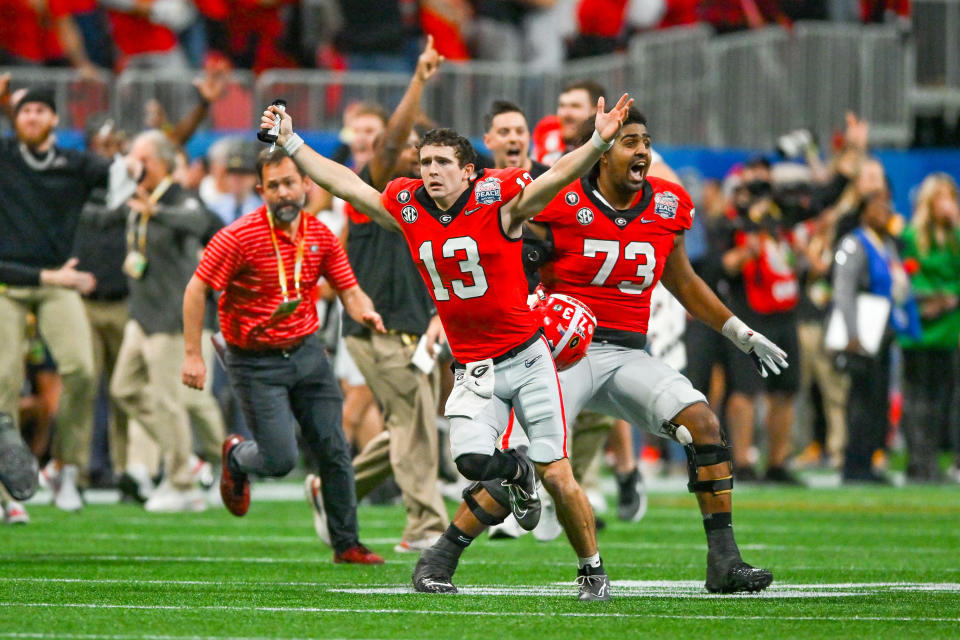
(737, 578)
(524, 501)
(432, 578)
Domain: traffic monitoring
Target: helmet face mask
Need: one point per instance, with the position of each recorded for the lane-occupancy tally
(568, 326)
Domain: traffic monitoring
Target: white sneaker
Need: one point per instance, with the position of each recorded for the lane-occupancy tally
(311, 489)
(166, 499)
(14, 513)
(136, 483)
(202, 472)
(509, 528)
(549, 527)
(67, 497)
(415, 546)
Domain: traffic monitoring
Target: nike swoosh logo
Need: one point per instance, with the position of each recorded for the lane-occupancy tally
(469, 211)
(529, 363)
(645, 221)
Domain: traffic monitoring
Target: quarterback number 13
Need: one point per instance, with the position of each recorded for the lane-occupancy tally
(611, 253)
(471, 266)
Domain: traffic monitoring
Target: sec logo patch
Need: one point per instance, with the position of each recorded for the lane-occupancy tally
(585, 215)
(409, 214)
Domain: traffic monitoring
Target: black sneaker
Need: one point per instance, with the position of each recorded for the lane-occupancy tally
(434, 570)
(738, 577)
(18, 466)
(524, 501)
(781, 475)
(593, 584)
(632, 503)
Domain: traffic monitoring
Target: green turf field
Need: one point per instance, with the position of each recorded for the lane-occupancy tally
(851, 563)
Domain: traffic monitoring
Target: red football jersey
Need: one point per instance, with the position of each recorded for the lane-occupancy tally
(611, 259)
(473, 271)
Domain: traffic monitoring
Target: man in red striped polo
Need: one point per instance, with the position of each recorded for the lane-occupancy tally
(267, 265)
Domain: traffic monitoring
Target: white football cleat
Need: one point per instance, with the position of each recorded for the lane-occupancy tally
(549, 527)
(509, 528)
(14, 513)
(166, 499)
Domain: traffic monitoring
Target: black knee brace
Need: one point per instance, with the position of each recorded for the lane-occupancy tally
(473, 466)
(704, 455)
(497, 491)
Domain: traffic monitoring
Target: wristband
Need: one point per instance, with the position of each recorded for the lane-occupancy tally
(293, 144)
(599, 142)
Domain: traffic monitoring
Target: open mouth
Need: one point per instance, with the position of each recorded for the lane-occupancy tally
(434, 184)
(638, 170)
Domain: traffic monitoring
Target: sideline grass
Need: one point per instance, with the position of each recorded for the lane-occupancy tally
(848, 563)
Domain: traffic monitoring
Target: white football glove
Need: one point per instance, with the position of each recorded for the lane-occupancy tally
(766, 355)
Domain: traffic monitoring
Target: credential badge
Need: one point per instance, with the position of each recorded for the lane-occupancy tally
(665, 204)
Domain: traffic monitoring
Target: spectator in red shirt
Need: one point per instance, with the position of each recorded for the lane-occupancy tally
(43, 32)
(267, 265)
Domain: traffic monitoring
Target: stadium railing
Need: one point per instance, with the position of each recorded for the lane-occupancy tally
(739, 90)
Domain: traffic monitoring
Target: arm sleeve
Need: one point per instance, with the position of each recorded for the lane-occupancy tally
(849, 263)
(512, 181)
(336, 268)
(221, 260)
(19, 275)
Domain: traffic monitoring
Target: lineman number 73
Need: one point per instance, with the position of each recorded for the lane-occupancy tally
(611, 253)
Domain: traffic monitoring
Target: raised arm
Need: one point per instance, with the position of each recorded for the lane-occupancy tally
(541, 191)
(335, 178)
(398, 129)
(210, 88)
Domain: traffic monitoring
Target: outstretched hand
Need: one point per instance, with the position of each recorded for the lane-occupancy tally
(608, 123)
(428, 62)
(268, 119)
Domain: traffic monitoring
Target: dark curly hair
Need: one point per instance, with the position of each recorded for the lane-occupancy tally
(444, 137)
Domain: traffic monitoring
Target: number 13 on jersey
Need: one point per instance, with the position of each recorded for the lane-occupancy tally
(470, 265)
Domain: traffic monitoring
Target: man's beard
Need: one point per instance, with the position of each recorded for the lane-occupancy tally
(286, 211)
(34, 141)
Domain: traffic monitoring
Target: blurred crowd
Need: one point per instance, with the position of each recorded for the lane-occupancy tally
(373, 34)
(802, 243)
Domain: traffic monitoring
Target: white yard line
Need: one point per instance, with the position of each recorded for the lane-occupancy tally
(419, 612)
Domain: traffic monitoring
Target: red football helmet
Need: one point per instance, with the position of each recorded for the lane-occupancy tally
(568, 325)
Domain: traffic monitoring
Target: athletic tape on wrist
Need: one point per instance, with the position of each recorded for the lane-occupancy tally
(293, 144)
(599, 142)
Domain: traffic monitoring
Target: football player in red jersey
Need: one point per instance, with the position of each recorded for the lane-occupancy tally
(616, 233)
(464, 235)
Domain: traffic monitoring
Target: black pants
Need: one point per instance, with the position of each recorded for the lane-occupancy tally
(928, 379)
(867, 410)
(275, 389)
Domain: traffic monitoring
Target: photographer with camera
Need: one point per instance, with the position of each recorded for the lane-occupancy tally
(763, 290)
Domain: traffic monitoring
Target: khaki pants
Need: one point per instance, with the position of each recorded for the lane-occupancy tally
(146, 385)
(816, 364)
(107, 320)
(63, 324)
(408, 447)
